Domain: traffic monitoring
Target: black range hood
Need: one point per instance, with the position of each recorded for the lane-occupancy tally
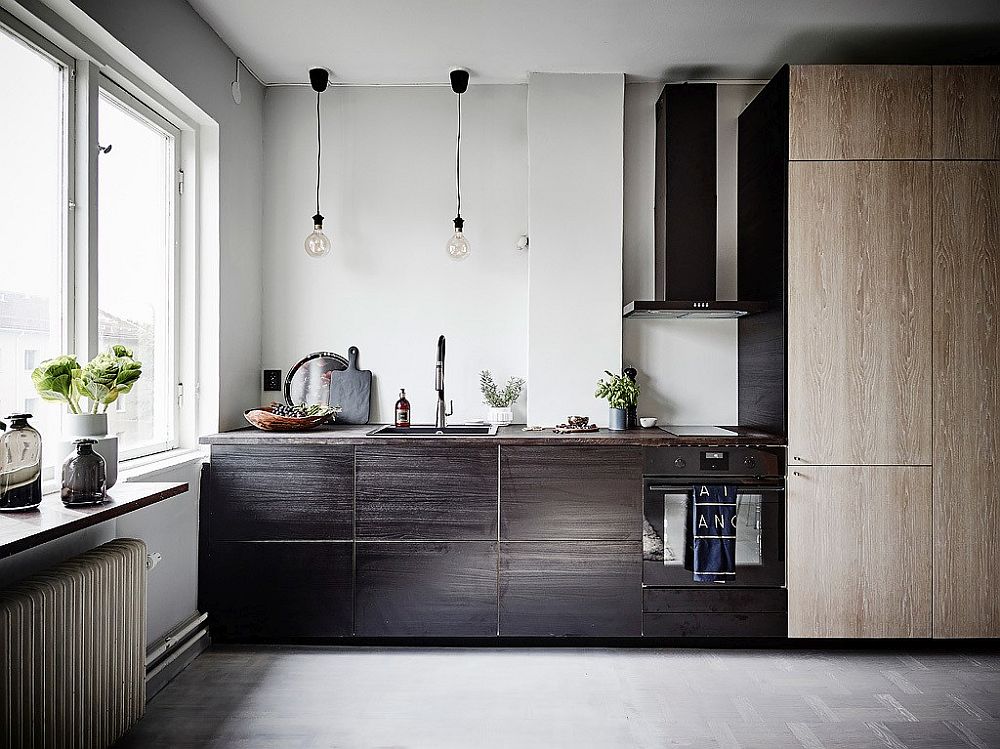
(685, 210)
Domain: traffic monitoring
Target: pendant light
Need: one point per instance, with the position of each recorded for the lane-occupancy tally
(318, 244)
(458, 245)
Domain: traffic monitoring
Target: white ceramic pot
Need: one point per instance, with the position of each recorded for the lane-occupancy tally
(94, 426)
(500, 416)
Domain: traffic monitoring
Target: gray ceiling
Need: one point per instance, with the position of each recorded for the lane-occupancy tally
(417, 41)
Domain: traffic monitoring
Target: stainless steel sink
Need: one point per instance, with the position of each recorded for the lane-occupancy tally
(428, 430)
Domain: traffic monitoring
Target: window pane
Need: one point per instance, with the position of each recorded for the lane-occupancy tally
(32, 226)
(135, 266)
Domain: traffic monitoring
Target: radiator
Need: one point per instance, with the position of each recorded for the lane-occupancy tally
(72, 651)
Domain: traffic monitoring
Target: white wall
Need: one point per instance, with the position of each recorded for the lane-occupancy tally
(575, 132)
(388, 196)
(687, 368)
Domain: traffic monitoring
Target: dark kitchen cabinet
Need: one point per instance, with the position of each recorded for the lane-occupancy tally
(571, 493)
(280, 589)
(281, 492)
(427, 492)
(426, 588)
(579, 588)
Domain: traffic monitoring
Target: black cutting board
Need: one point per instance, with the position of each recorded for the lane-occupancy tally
(351, 389)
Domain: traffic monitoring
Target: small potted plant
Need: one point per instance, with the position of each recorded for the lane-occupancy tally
(101, 381)
(500, 400)
(621, 393)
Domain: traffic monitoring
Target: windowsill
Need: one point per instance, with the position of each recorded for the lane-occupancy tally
(145, 468)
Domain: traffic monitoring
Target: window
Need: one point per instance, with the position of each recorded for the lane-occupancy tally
(136, 259)
(34, 89)
(48, 273)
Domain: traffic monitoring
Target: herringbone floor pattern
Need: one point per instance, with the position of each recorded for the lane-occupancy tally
(313, 698)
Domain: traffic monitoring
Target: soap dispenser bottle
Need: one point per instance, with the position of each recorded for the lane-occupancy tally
(20, 465)
(402, 410)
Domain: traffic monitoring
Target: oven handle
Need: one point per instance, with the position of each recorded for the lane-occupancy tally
(740, 488)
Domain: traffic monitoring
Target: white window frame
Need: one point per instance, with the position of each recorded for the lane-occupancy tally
(173, 260)
(79, 331)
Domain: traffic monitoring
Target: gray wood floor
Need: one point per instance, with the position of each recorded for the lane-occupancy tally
(386, 697)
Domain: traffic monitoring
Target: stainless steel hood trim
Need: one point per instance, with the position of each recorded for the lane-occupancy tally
(706, 310)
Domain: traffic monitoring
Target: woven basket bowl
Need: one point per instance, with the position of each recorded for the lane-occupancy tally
(262, 418)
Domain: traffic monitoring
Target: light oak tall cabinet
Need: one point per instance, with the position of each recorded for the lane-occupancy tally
(890, 322)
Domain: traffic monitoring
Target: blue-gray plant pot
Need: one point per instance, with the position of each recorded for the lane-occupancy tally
(617, 419)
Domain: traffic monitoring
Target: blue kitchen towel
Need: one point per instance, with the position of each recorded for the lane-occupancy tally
(713, 533)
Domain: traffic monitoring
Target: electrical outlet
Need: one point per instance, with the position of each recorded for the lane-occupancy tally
(272, 380)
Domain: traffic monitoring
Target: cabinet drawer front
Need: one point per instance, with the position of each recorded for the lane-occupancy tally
(427, 492)
(416, 589)
(729, 624)
(281, 492)
(584, 588)
(718, 599)
(570, 493)
(280, 589)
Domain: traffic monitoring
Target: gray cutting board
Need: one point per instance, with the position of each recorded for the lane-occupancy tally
(351, 389)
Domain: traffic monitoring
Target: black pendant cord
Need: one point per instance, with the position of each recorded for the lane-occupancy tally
(319, 150)
(458, 159)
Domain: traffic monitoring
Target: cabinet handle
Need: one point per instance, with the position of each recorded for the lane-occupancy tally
(796, 473)
(796, 457)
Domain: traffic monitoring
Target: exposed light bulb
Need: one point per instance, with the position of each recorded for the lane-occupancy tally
(318, 244)
(458, 245)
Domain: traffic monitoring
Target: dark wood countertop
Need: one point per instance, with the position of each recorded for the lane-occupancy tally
(512, 435)
(24, 530)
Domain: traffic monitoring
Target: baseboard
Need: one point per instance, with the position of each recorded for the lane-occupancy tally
(175, 652)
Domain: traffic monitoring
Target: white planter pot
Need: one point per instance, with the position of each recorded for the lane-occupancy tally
(500, 416)
(94, 426)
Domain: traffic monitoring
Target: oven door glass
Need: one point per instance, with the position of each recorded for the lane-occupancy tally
(760, 541)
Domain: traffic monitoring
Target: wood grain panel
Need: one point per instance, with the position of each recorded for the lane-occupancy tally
(967, 112)
(582, 588)
(407, 589)
(284, 492)
(859, 112)
(280, 589)
(568, 493)
(423, 491)
(966, 398)
(859, 551)
(859, 313)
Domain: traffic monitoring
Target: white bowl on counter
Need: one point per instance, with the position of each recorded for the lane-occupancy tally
(647, 421)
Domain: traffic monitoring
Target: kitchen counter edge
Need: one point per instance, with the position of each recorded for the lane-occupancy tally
(510, 435)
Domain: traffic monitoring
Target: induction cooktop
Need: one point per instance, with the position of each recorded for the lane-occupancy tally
(698, 431)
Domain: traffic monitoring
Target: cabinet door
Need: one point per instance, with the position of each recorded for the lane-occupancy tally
(859, 313)
(966, 398)
(859, 551)
(967, 112)
(585, 588)
(408, 589)
(427, 492)
(280, 589)
(273, 492)
(570, 493)
(859, 112)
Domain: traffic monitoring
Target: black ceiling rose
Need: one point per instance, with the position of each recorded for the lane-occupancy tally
(319, 79)
(459, 80)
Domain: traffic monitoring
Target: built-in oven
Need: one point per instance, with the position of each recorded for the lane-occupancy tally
(674, 603)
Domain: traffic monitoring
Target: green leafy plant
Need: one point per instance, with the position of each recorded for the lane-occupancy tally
(108, 376)
(58, 381)
(105, 377)
(497, 398)
(618, 390)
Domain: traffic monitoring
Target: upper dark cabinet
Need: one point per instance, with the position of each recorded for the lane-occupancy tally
(427, 492)
(281, 492)
(571, 493)
(966, 102)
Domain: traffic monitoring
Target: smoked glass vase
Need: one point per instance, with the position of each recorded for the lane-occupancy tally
(84, 476)
(20, 465)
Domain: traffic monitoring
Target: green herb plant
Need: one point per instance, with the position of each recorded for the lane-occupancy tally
(495, 397)
(104, 378)
(618, 390)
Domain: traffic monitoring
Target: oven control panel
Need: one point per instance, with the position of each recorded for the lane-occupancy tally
(749, 462)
